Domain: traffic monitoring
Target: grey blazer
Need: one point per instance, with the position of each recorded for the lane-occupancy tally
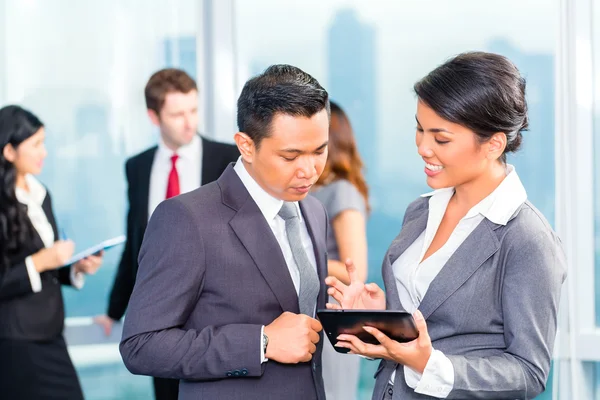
(492, 309)
(211, 274)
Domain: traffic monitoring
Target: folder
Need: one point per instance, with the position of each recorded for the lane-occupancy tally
(105, 245)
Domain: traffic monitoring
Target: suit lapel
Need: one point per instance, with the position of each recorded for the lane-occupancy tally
(143, 175)
(316, 230)
(256, 236)
(410, 232)
(208, 163)
(479, 246)
(47, 207)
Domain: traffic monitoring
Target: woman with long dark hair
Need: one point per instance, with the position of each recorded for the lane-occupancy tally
(476, 263)
(344, 193)
(34, 362)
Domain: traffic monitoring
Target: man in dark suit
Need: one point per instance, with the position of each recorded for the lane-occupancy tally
(232, 273)
(180, 163)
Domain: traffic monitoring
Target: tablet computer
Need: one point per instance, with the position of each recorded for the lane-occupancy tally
(397, 325)
(95, 250)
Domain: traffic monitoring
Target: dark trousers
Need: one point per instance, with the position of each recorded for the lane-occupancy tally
(166, 389)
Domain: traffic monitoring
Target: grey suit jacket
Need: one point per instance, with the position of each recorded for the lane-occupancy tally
(492, 309)
(211, 274)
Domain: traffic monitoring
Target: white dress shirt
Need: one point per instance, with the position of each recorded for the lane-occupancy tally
(189, 165)
(269, 207)
(413, 275)
(33, 199)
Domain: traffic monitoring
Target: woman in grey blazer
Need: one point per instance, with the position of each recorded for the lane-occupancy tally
(343, 191)
(475, 262)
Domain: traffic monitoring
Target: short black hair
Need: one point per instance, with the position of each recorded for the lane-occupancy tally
(481, 91)
(279, 89)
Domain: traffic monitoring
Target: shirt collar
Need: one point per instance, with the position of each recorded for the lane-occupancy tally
(189, 151)
(268, 205)
(499, 206)
(36, 194)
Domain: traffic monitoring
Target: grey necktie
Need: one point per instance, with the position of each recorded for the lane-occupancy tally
(309, 280)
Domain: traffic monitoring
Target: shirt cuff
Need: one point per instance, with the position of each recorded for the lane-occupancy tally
(34, 276)
(77, 278)
(437, 379)
(263, 359)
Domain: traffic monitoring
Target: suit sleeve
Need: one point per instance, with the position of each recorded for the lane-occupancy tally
(68, 277)
(534, 272)
(125, 277)
(169, 283)
(15, 282)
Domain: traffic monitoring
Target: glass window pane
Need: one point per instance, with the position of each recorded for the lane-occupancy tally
(82, 67)
(596, 191)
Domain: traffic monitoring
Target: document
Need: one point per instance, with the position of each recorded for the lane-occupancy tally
(105, 245)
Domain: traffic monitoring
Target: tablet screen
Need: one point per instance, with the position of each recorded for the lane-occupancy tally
(397, 325)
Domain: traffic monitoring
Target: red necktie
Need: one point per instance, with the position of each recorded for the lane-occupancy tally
(173, 183)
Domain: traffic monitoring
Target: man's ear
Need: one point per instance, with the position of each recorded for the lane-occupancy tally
(246, 146)
(154, 117)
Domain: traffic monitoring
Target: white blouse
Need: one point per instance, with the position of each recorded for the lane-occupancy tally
(33, 199)
(413, 275)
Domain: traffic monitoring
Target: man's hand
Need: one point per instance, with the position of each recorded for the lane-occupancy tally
(105, 322)
(292, 338)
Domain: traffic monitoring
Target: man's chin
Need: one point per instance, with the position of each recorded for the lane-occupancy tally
(294, 195)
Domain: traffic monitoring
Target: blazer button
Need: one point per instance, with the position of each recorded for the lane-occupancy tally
(236, 373)
(244, 372)
(229, 374)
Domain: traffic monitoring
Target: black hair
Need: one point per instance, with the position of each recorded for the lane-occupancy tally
(279, 89)
(481, 91)
(16, 126)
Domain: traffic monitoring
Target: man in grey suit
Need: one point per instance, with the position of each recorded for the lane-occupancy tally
(231, 274)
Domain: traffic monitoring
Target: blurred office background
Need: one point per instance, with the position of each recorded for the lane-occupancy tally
(82, 66)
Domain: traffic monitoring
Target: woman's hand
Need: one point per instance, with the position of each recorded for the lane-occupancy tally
(90, 264)
(53, 257)
(414, 355)
(355, 296)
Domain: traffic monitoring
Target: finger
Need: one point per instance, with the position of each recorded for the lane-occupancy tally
(373, 288)
(315, 325)
(336, 294)
(83, 265)
(380, 336)
(331, 306)
(422, 328)
(307, 357)
(358, 345)
(312, 348)
(351, 269)
(314, 337)
(334, 282)
(96, 260)
(347, 345)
